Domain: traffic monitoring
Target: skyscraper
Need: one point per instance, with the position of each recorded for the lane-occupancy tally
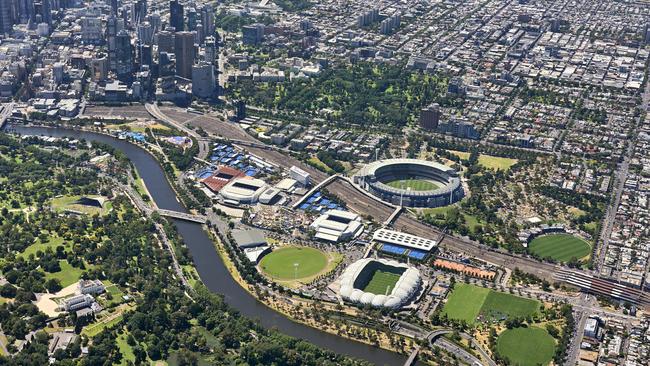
(165, 41)
(26, 11)
(207, 19)
(203, 81)
(114, 8)
(210, 51)
(124, 56)
(113, 26)
(46, 11)
(184, 50)
(6, 16)
(176, 15)
(429, 117)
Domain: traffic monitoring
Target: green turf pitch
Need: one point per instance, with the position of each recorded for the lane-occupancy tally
(413, 184)
(467, 302)
(382, 283)
(526, 346)
(500, 305)
(561, 247)
(279, 264)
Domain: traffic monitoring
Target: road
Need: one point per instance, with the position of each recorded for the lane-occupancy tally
(204, 146)
(619, 180)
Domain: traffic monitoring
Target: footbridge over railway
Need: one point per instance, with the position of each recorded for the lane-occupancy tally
(320, 185)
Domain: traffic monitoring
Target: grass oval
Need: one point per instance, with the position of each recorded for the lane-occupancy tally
(280, 263)
(526, 346)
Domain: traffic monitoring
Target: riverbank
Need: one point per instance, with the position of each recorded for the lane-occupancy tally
(207, 261)
(292, 306)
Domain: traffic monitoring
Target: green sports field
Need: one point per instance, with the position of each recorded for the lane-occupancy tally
(500, 305)
(382, 282)
(280, 263)
(465, 302)
(413, 184)
(526, 346)
(561, 247)
(469, 303)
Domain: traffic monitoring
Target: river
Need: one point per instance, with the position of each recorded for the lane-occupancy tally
(209, 265)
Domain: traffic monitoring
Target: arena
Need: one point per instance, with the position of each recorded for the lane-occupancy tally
(411, 182)
(379, 282)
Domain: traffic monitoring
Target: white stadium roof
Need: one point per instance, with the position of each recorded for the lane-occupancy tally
(403, 239)
(335, 225)
(404, 289)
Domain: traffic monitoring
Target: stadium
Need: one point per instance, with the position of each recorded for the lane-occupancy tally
(411, 182)
(379, 282)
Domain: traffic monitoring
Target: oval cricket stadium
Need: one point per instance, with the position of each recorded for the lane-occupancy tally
(380, 283)
(411, 182)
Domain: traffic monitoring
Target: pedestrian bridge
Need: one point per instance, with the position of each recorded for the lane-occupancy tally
(183, 216)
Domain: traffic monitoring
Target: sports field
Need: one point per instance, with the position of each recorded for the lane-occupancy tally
(382, 283)
(469, 303)
(291, 263)
(464, 303)
(500, 305)
(561, 247)
(413, 184)
(526, 346)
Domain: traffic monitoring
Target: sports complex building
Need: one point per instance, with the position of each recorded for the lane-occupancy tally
(411, 182)
(402, 244)
(380, 283)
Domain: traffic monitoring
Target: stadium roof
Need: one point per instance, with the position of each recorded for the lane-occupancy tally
(335, 225)
(249, 238)
(221, 177)
(403, 239)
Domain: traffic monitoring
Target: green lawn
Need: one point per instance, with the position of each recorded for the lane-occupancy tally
(413, 184)
(495, 162)
(500, 305)
(469, 303)
(69, 203)
(488, 161)
(465, 302)
(280, 263)
(53, 242)
(125, 349)
(382, 282)
(67, 275)
(526, 346)
(94, 329)
(561, 247)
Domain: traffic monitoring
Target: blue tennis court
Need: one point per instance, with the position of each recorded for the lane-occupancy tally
(417, 254)
(392, 249)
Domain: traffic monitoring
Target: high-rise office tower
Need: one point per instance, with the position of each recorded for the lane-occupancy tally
(210, 51)
(46, 11)
(207, 19)
(165, 41)
(176, 15)
(430, 116)
(203, 81)
(26, 11)
(144, 54)
(140, 11)
(192, 19)
(6, 16)
(145, 33)
(113, 27)
(124, 56)
(184, 51)
(114, 7)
